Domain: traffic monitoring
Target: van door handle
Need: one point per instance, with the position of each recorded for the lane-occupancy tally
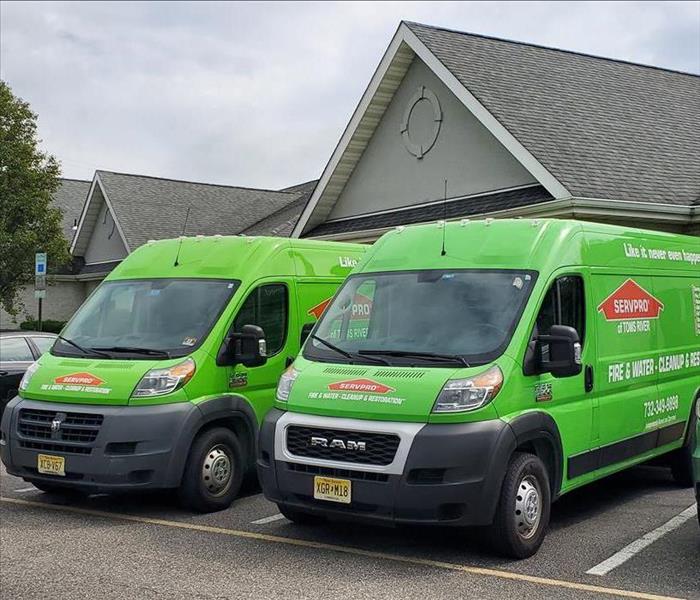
(589, 378)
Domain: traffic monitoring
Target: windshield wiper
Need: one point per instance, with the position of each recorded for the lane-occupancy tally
(135, 350)
(93, 351)
(345, 353)
(408, 353)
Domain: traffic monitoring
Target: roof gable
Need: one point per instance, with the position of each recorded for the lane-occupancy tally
(153, 208)
(426, 138)
(397, 59)
(584, 127)
(604, 128)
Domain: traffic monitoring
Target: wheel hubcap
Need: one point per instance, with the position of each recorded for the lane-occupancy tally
(528, 507)
(217, 471)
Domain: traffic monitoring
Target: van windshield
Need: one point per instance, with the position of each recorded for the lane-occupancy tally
(445, 317)
(145, 318)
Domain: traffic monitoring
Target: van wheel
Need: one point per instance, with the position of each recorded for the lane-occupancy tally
(522, 515)
(682, 459)
(214, 471)
(298, 516)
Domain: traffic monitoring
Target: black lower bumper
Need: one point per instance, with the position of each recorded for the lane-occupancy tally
(453, 476)
(135, 447)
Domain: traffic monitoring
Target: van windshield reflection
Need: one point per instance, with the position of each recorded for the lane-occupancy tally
(148, 318)
(440, 317)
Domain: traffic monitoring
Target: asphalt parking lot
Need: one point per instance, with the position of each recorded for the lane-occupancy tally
(147, 547)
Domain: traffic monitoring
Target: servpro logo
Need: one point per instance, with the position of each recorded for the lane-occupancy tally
(630, 301)
(79, 379)
(360, 385)
(317, 311)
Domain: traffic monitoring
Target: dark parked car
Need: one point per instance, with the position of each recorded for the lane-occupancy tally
(18, 350)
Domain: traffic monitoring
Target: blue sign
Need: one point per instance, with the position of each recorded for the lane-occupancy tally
(40, 272)
(40, 263)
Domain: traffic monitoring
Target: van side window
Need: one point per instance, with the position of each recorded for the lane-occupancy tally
(267, 307)
(564, 305)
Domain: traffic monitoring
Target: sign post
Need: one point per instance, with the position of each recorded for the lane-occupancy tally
(40, 282)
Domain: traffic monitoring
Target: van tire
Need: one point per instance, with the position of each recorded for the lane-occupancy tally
(214, 471)
(299, 517)
(525, 486)
(682, 459)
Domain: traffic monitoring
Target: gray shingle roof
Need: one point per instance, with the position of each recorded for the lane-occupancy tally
(464, 207)
(69, 198)
(603, 128)
(282, 222)
(155, 208)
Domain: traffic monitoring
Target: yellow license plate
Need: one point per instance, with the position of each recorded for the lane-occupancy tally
(333, 490)
(51, 465)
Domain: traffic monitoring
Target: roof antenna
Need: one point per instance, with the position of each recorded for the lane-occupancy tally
(179, 245)
(444, 220)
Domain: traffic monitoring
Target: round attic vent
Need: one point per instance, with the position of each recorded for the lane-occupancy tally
(421, 122)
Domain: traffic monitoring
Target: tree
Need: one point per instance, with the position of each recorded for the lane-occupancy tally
(29, 223)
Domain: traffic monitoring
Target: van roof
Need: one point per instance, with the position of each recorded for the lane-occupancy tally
(533, 244)
(236, 257)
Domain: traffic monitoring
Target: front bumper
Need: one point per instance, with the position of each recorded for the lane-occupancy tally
(135, 447)
(449, 475)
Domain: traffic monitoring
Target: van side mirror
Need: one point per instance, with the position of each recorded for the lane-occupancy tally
(305, 331)
(559, 351)
(246, 347)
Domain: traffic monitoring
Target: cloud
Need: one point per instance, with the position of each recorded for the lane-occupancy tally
(258, 94)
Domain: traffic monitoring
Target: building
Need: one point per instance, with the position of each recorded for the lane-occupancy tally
(107, 218)
(454, 125)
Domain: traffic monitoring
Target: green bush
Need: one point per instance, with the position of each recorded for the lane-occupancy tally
(47, 325)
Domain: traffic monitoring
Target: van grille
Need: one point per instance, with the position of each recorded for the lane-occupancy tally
(379, 449)
(76, 433)
(406, 374)
(346, 371)
(333, 472)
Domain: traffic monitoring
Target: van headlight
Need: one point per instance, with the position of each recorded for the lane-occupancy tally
(31, 369)
(284, 387)
(461, 395)
(158, 382)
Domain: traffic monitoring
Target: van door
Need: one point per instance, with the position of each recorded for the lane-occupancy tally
(269, 306)
(567, 399)
(626, 326)
(677, 356)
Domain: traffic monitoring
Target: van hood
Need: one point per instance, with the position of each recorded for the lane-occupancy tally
(87, 380)
(368, 391)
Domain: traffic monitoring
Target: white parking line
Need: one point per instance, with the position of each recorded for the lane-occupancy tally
(646, 540)
(29, 489)
(276, 517)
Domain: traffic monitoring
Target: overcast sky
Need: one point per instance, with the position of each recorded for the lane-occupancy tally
(258, 94)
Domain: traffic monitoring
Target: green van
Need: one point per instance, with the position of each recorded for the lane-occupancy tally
(162, 377)
(469, 374)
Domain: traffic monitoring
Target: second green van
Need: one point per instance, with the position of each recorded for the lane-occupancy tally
(469, 374)
(162, 377)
